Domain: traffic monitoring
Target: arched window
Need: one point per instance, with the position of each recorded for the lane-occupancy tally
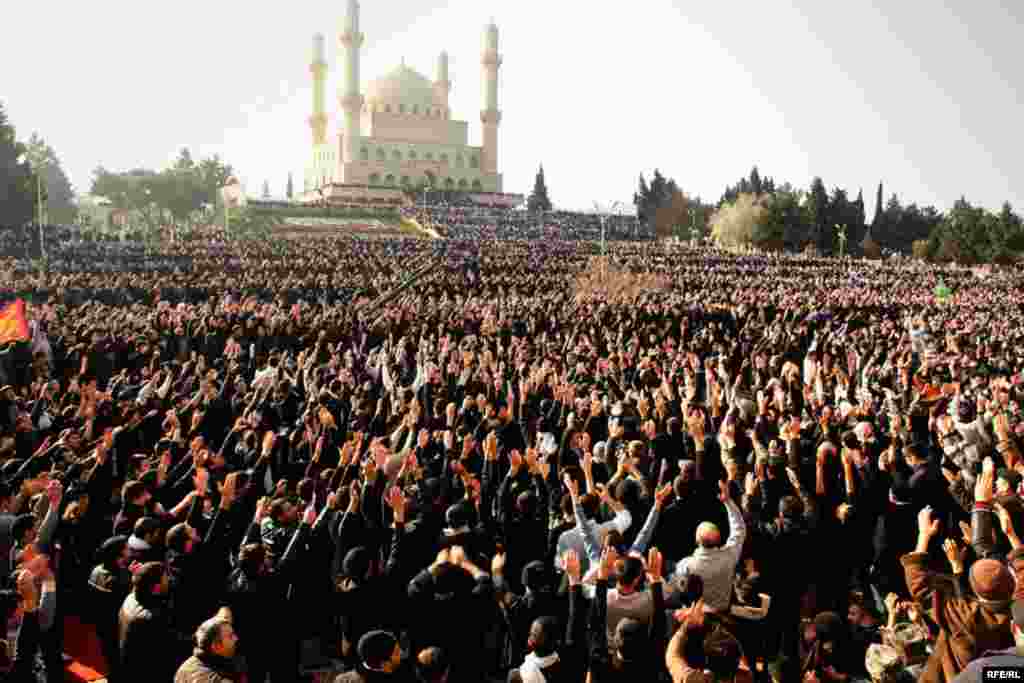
(449, 184)
(375, 179)
(412, 155)
(429, 156)
(415, 109)
(389, 180)
(459, 163)
(381, 155)
(405, 180)
(365, 154)
(473, 163)
(443, 158)
(396, 155)
(463, 184)
(477, 186)
(387, 108)
(401, 109)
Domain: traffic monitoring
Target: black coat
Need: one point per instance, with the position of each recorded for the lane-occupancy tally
(150, 649)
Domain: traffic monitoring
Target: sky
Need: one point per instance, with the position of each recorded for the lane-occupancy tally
(917, 94)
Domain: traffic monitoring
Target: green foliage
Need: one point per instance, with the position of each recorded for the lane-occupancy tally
(59, 205)
(185, 192)
(818, 216)
(17, 182)
(754, 184)
(539, 200)
(666, 208)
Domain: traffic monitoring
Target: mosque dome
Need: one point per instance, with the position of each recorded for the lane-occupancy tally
(402, 86)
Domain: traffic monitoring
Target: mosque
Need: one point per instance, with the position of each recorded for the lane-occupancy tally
(401, 134)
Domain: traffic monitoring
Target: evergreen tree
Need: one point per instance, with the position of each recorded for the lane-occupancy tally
(59, 196)
(818, 208)
(756, 186)
(858, 232)
(266, 189)
(876, 222)
(17, 182)
(290, 190)
(539, 200)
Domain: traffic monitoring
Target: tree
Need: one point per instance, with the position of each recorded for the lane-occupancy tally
(266, 189)
(17, 182)
(184, 161)
(740, 223)
(876, 222)
(59, 196)
(651, 196)
(290, 189)
(214, 175)
(675, 217)
(538, 200)
(755, 181)
(786, 219)
(818, 215)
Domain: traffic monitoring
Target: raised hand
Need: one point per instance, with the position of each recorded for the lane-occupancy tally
(396, 501)
(952, 551)
(491, 446)
(926, 526)
(262, 508)
(750, 485)
(353, 497)
(984, 484)
(515, 461)
(498, 563)
(662, 494)
(723, 491)
(309, 516)
(54, 492)
(655, 564)
(571, 566)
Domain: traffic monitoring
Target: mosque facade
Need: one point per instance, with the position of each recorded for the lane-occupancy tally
(400, 133)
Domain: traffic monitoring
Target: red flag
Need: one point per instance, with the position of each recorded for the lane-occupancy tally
(13, 326)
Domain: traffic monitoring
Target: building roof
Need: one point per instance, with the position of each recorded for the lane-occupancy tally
(402, 85)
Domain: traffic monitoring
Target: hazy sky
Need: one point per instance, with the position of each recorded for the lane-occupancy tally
(917, 93)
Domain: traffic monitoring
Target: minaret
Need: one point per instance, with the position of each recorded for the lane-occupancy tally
(351, 100)
(318, 67)
(490, 116)
(442, 86)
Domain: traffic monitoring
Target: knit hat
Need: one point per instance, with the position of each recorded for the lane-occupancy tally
(991, 580)
(375, 648)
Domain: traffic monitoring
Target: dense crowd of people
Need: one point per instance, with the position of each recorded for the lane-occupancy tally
(468, 221)
(295, 458)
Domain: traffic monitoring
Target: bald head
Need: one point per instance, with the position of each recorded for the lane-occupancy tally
(708, 535)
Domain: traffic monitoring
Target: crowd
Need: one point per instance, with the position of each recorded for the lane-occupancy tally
(467, 221)
(294, 458)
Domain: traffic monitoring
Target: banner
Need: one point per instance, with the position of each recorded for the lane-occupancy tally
(13, 325)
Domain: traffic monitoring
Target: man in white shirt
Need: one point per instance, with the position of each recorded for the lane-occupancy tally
(577, 539)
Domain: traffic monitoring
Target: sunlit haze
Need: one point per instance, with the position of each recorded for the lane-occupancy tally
(917, 94)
